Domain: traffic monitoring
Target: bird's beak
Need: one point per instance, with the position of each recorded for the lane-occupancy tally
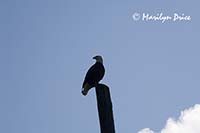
(94, 57)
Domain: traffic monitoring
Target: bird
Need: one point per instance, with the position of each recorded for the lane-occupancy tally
(95, 73)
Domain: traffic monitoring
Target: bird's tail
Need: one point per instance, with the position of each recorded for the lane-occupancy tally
(85, 89)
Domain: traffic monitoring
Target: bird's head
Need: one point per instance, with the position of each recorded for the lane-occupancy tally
(98, 58)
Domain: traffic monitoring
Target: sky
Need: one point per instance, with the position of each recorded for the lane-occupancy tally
(152, 68)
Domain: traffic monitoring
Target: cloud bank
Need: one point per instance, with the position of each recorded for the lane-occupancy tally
(188, 122)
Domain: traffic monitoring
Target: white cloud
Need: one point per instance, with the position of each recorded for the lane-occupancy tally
(146, 130)
(188, 122)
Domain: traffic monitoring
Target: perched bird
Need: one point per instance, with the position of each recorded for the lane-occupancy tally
(94, 75)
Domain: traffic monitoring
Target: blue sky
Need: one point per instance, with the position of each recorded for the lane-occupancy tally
(46, 47)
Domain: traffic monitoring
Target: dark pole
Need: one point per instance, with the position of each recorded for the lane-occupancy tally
(104, 105)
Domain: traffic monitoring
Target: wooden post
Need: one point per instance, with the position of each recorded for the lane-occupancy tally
(104, 105)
